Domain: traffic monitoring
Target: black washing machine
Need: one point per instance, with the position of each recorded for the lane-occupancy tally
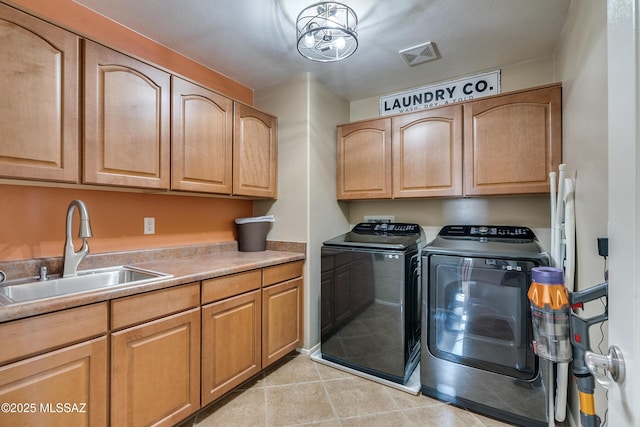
(477, 335)
(370, 299)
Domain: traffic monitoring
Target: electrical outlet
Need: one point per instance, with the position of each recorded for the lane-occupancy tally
(149, 226)
(379, 218)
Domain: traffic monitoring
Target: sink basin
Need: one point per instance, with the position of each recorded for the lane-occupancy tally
(87, 280)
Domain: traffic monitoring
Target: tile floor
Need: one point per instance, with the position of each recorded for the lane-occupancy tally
(301, 392)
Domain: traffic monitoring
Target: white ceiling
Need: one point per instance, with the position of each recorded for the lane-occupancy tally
(254, 41)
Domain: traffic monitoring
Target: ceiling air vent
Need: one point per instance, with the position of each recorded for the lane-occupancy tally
(420, 54)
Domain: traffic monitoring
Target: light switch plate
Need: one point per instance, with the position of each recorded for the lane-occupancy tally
(150, 225)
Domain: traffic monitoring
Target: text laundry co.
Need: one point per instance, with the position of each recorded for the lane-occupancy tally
(441, 94)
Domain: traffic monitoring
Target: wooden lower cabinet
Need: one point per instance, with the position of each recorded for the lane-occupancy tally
(155, 371)
(236, 325)
(66, 387)
(281, 320)
(281, 310)
(230, 343)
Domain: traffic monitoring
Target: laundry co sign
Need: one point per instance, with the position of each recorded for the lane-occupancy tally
(439, 94)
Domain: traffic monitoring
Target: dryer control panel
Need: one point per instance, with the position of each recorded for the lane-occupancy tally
(487, 231)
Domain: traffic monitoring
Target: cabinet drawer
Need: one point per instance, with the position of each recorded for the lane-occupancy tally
(228, 286)
(152, 305)
(49, 331)
(282, 272)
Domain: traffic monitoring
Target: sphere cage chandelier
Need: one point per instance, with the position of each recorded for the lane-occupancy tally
(327, 32)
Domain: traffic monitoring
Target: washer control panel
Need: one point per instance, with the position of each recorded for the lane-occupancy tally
(387, 228)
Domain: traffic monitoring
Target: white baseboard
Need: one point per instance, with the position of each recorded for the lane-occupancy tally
(309, 352)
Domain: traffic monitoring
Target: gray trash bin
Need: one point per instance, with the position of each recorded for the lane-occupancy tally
(252, 233)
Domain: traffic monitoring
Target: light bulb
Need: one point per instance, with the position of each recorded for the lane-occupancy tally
(309, 40)
(340, 43)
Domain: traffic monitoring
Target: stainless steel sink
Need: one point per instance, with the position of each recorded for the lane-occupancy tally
(87, 280)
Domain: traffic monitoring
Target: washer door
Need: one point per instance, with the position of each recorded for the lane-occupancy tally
(479, 313)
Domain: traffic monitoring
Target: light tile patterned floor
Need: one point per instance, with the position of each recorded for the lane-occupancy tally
(301, 392)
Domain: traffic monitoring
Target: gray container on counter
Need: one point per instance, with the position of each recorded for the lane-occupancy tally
(252, 233)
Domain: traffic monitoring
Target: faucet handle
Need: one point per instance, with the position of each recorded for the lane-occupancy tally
(43, 273)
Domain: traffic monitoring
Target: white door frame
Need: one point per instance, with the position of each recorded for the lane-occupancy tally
(624, 200)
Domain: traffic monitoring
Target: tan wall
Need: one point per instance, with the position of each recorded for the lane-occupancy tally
(288, 101)
(307, 209)
(32, 219)
(327, 216)
(529, 211)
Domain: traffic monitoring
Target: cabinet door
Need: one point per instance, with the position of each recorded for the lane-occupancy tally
(364, 160)
(281, 320)
(67, 387)
(230, 344)
(512, 142)
(155, 371)
(255, 153)
(201, 145)
(427, 153)
(126, 121)
(39, 102)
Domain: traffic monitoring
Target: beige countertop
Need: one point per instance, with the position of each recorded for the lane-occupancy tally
(184, 269)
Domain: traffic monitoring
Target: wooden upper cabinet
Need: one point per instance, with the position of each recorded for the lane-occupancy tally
(39, 126)
(255, 153)
(512, 142)
(202, 139)
(427, 153)
(127, 120)
(364, 160)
